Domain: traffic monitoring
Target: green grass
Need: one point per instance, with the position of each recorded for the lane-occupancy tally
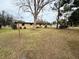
(5, 30)
(39, 44)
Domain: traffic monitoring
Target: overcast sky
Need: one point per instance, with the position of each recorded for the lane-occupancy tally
(10, 7)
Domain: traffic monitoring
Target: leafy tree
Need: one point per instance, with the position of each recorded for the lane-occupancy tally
(57, 6)
(66, 5)
(76, 3)
(74, 18)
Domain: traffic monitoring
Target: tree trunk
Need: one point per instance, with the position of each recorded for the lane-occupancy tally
(58, 16)
(35, 14)
(58, 19)
(35, 18)
(57, 23)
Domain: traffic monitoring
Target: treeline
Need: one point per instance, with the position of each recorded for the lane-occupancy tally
(5, 19)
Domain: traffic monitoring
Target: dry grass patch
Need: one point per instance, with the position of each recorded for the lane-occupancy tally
(39, 44)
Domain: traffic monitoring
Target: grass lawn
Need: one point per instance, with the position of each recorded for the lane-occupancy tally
(39, 44)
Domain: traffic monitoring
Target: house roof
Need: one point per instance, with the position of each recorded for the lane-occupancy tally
(23, 22)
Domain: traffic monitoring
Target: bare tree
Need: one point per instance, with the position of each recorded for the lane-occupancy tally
(33, 6)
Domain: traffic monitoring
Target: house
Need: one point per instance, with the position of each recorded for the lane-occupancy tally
(23, 25)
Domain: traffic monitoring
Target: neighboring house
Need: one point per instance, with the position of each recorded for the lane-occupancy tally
(24, 25)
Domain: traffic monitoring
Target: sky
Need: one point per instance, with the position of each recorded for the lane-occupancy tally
(10, 7)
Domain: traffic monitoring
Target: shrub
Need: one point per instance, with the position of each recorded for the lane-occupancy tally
(63, 26)
(45, 26)
(24, 27)
(20, 27)
(23, 24)
(14, 26)
(0, 26)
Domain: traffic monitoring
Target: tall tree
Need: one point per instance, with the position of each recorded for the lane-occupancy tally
(74, 18)
(57, 5)
(33, 6)
(76, 3)
(74, 9)
(63, 7)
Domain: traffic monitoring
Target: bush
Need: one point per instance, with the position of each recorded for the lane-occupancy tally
(23, 24)
(37, 27)
(20, 27)
(0, 26)
(14, 26)
(45, 26)
(63, 26)
(24, 27)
